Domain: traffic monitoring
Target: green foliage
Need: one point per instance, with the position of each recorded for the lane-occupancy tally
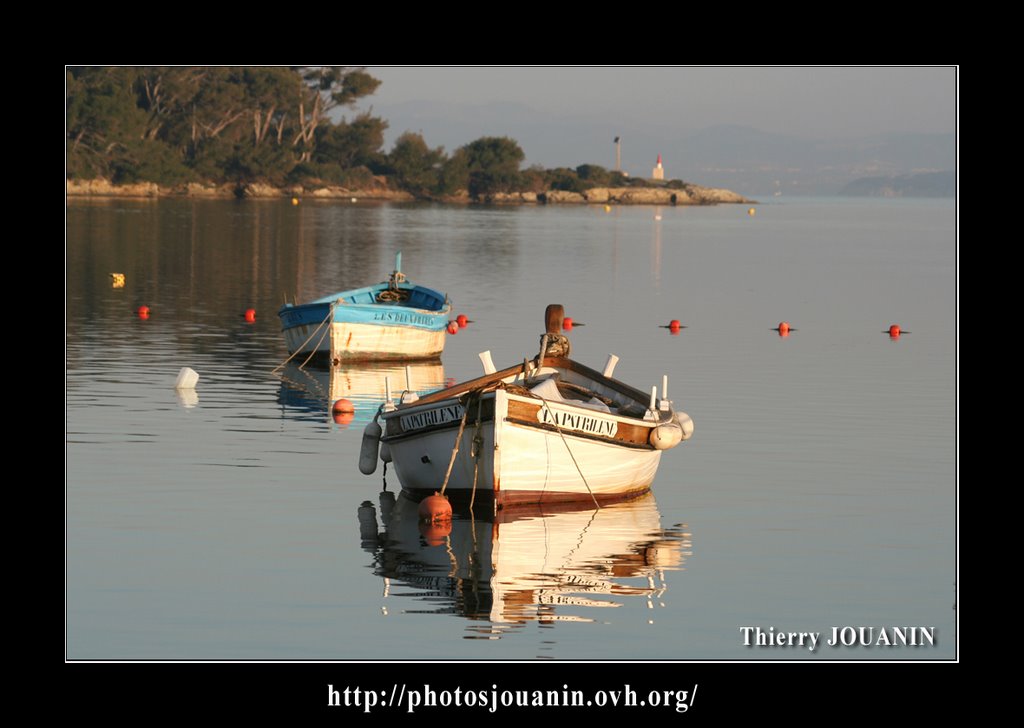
(351, 144)
(416, 167)
(240, 125)
(492, 164)
(454, 174)
(563, 178)
(223, 124)
(534, 179)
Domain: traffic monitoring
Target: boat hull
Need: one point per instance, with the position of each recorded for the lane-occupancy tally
(531, 452)
(339, 331)
(345, 341)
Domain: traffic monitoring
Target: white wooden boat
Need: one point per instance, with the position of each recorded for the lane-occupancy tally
(392, 320)
(544, 431)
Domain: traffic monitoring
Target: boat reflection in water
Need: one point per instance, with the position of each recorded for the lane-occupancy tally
(307, 393)
(523, 564)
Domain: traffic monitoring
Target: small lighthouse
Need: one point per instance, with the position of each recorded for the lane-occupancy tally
(658, 172)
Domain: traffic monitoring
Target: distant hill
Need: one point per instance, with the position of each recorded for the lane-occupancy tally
(741, 158)
(925, 184)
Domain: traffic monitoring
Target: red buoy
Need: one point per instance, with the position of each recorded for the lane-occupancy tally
(453, 327)
(783, 328)
(250, 315)
(143, 311)
(343, 411)
(894, 331)
(567, 323)
(462, 320)
(435, 508)
(674, 324)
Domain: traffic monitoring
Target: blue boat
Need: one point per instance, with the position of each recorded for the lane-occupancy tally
(392, 320)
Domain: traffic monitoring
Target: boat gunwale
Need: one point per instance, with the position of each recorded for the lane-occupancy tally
(333, 299)
(555, 362)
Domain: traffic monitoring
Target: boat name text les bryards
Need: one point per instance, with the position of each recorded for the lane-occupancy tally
(403, 318)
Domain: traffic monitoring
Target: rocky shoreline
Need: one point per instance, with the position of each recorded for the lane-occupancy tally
(686, 195)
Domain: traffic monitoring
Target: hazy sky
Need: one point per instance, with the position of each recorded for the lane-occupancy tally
(803, 101)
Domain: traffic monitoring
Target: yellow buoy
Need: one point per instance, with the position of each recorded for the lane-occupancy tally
(295, 200)
(117, 280)
(751, 212)
(607, 208)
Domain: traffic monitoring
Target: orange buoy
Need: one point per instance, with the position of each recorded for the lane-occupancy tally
(250, 315)
(462, 319)
(143, 312)
(453, 327)
(343, 406)
(783, 328)
(567, 323)
(343, 412)
(894, 331)
(435, 508)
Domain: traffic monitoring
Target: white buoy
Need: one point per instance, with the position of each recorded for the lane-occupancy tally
(187, 378)
(609, 366)
(667, 436)
(686, 424)
(368, 450)
(485, 359)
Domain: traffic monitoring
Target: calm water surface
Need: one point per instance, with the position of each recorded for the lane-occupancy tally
(819, 488)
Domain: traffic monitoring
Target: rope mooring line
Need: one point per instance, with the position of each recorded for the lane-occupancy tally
(458, 441)
(330, 312)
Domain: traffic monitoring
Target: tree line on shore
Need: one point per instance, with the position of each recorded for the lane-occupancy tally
(274, 125)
